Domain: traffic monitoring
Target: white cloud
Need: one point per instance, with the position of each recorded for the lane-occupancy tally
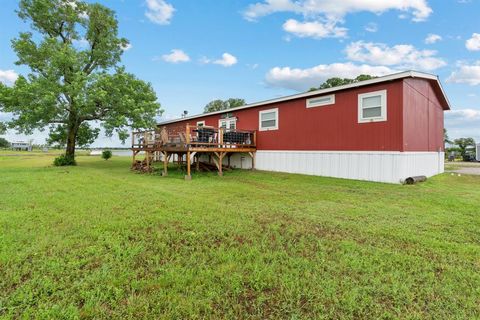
(473, 44)
(314, 29)
(227, 60)
(337, 9)
(159, 11)
(175, 56)
(403, 55)
(303, 79)
(322, 15)
(469, 74)
(127, 47)
(371, 27)
(463, 123)
(8, 77)
(432, 38)
(84, 15)
(258, 10)
(465, 114)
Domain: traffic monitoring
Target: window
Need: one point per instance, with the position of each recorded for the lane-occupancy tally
(200, 123)
(372, 106)
(230, 123)
(321, 101)
(268, 119)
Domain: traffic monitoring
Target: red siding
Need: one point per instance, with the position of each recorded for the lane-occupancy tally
(423, 117)
(417, 127)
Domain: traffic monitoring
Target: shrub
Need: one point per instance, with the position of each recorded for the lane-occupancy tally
(106, 154)
(64, 160)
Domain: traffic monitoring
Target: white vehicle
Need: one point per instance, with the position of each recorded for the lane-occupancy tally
(478, 152)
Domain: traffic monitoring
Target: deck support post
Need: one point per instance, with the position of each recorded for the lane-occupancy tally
(133, 158)
(188, 176)
(253, 154)
(220, 169)
(197, 162)
(147, 158)
(165, 164)
(220, 156)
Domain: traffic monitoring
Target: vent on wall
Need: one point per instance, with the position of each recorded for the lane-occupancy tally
(321, 101)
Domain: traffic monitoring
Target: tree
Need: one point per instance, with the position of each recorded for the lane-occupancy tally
(86, 135)
(463, 144)
(217, 105)
(4, 143)
(69, 86)
(446, 138)
(335, 82)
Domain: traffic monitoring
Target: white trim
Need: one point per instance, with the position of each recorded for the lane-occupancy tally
(383, 105)
(260, 128)
(310, 103)
(228, 121)
(201, 123)
(391, 77)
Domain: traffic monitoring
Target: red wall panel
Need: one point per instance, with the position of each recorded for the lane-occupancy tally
(417, 127)
(423, 117)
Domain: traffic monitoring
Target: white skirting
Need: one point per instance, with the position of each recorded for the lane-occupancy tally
(391, 167)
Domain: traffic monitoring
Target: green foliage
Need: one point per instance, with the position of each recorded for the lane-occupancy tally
(463, 145)
(217, 105)
(64, 160)
(98, 242)
(69, 87)
(335, 82)
(58, 135)
(4, 143)
(446, 138)
(3, 126)
(106, 154)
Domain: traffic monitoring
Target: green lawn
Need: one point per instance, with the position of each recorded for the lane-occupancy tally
(98, 241)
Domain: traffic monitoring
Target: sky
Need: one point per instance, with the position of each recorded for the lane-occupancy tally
(193, 52)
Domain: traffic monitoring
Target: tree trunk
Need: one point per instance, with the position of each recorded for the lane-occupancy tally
(71, 139)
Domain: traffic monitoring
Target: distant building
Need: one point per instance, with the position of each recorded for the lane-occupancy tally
(21, 146)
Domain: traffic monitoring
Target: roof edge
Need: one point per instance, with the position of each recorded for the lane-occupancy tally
(391, 77)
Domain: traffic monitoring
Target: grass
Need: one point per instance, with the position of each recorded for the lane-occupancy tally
(97, 241)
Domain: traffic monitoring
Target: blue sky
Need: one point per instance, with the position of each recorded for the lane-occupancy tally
(196, 51)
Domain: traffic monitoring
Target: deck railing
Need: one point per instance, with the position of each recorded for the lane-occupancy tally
(194, 136)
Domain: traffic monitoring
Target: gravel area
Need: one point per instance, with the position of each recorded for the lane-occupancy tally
(465, 167)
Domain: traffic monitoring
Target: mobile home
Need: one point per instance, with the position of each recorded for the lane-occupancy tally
(384, 129)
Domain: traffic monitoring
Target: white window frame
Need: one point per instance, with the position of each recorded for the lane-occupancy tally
(331, 101)
(383, 101)
(200, 123)
(260, 128)
(228, 121)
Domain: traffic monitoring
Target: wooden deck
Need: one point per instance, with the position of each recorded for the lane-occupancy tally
(189, 145)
